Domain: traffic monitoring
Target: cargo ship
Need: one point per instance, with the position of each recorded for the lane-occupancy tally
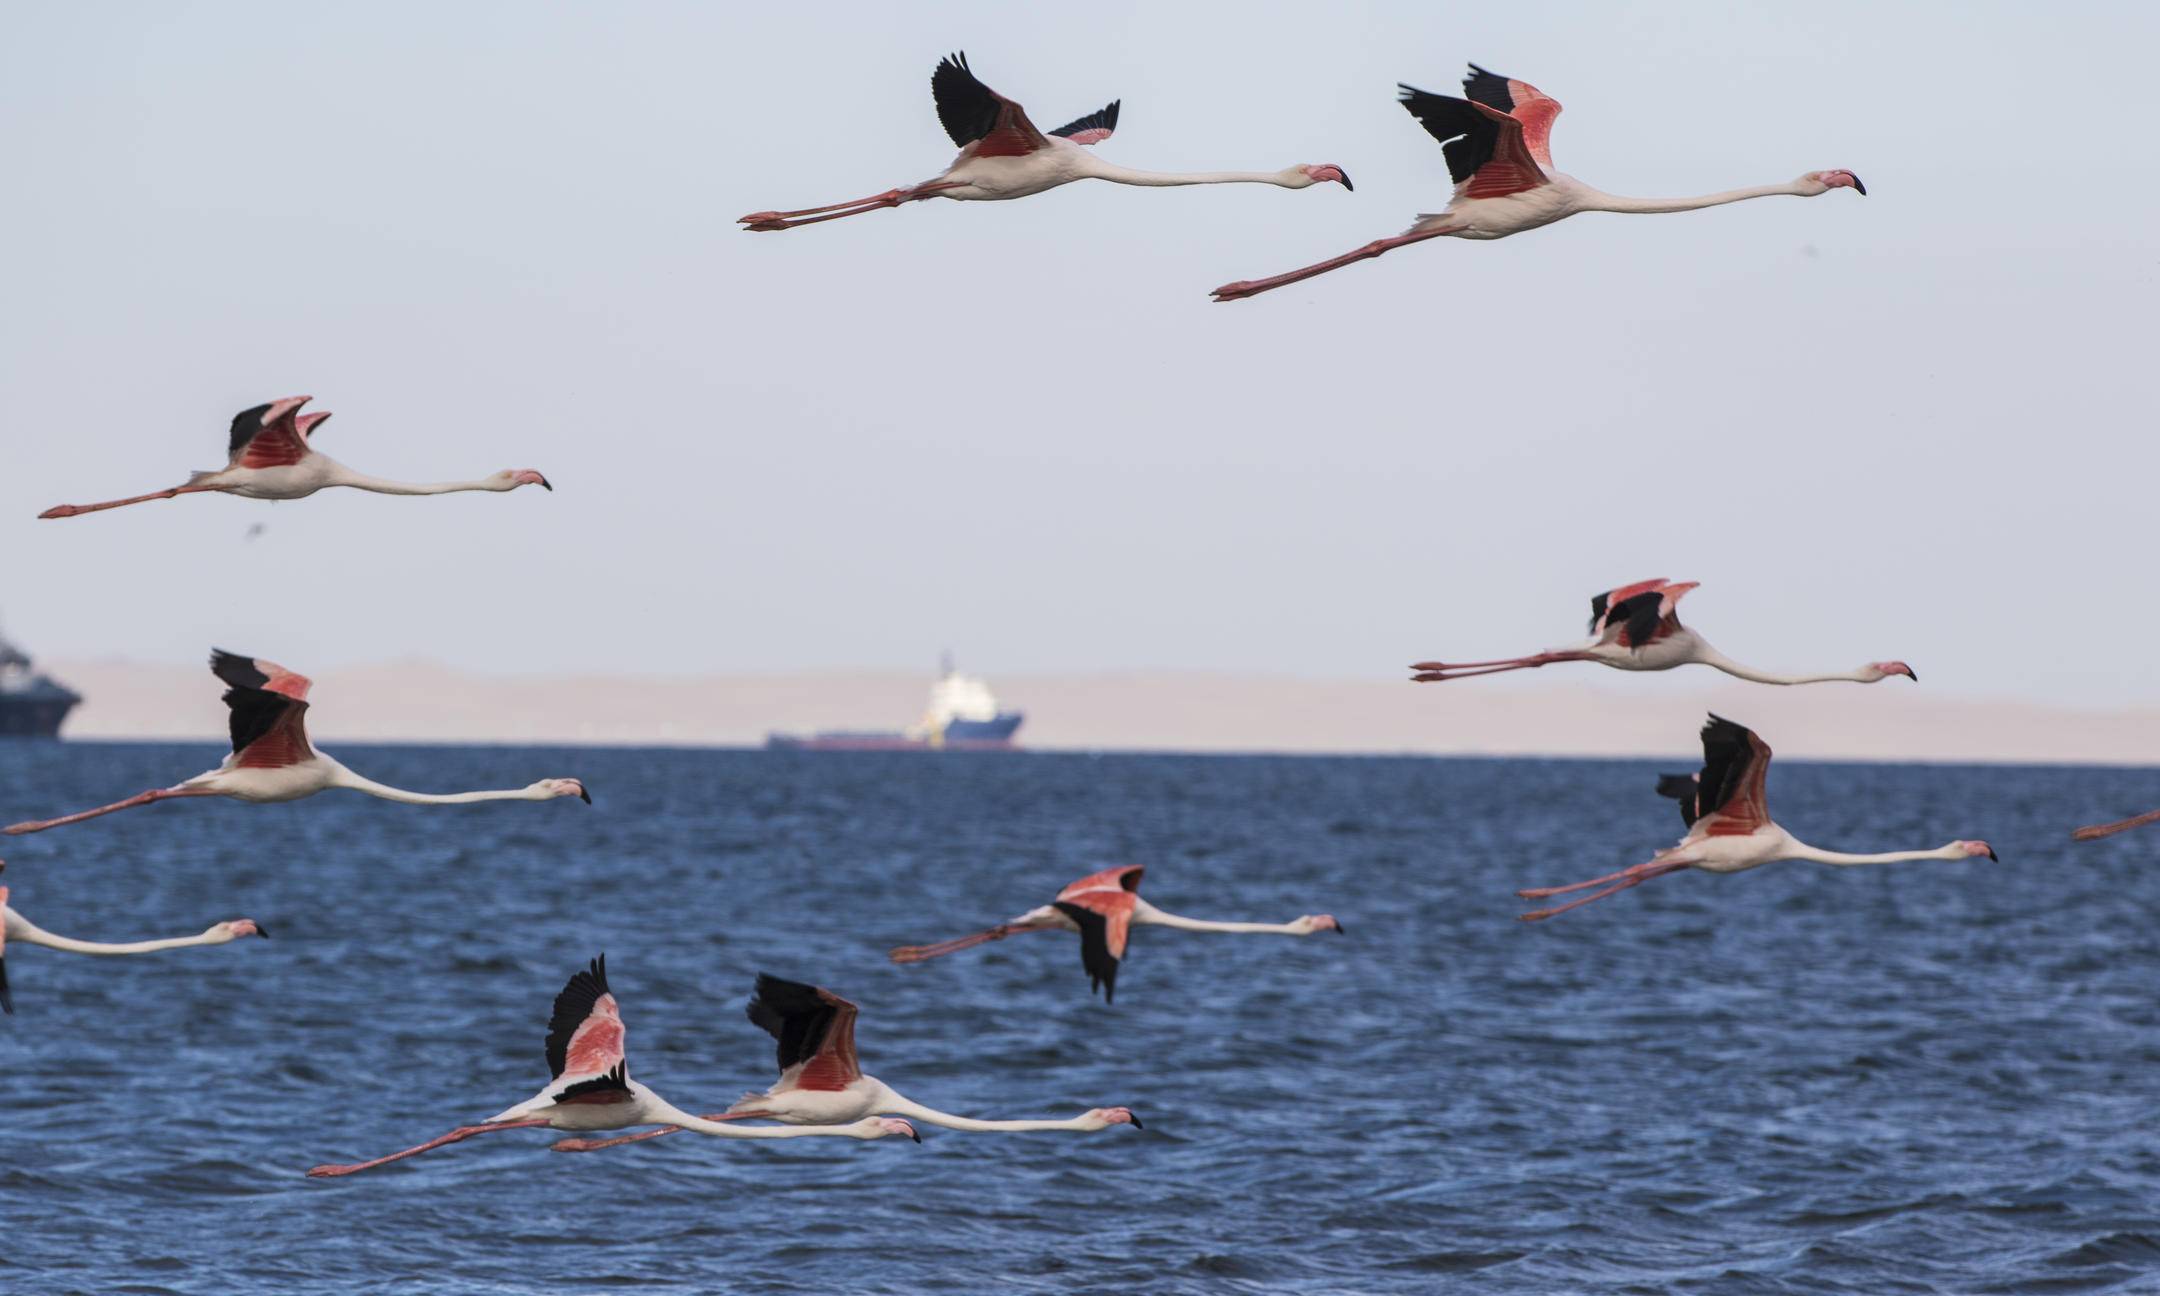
(31, 705)
(963, 715)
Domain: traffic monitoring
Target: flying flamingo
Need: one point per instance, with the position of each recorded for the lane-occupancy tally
(13, 926)
(271, 759)
(1003, 155)
(1637, 628)
(821, 1083)
(1497, 155)
(1103, 907)
(2094, 832)
(1729, 827)
(272, 456)
(592, 1088)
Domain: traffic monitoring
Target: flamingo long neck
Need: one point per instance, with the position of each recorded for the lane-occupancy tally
(1802, 851)
(22, 929)
(340, 475)
(1097, 169)
(1709, 656)
(1147, 913)
(1596, 201)
(899, 1106)
(345, 778)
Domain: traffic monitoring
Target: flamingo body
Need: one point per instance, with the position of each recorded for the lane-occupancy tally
(271, 456)
(1497, 142)
(271, 757)
(1637, 628)
(1726, 808)
(1004, 156)
(1102, 908)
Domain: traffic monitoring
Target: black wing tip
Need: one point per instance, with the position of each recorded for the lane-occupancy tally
(1680, 787)
(237, 670)
(7, 1001)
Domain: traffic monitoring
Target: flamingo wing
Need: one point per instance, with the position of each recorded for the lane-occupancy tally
(268, 436)
(1486, 155)
(267, 710)
(1104, 918)
(1125, 877)
(815, 1031)
(1527, 104)
(1601, 604)
(585, 1039)
(981, 121)
(1731, 798)
(1093, 128)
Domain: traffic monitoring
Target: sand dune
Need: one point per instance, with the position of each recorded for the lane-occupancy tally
(1171, 711)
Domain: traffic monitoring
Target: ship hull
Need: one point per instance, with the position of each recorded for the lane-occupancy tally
(34, 717)
(960, 735)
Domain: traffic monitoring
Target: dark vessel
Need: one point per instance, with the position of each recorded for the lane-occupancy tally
(31, 705)
(963, 715)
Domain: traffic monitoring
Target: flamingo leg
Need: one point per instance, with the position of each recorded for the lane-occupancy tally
(458, 1135)
(139, 799)
(72, 510)
(778, 220)
(2094, 832)
(917, 953)
(594, 1145)
(1642, 873)
(1430, 672)
(1251, 287)
(1539, 893)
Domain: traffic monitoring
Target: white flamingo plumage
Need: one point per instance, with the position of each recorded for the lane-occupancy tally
(1637, 628)
(271, 455)
(271, 759)
(822, 1083)
(1003, 155)
(15, 927)
(1727, 810)
(1103, 908)
(1498, 154)
(592, 1088)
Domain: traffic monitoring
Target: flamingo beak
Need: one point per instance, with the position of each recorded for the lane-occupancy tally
(1858, 188)
(1135, 1119)
(262, 931)
(583, 795)
(1339, 931)
(1993, 856)
(1346, 180)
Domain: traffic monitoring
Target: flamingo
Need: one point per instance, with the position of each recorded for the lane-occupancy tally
(271, 759)
(1637, 628)
(1103, 907)
(1497, 155)
(271, 455)
(13, 926)
(1729, 827)
(592, 1088)
(821, 1083)
(1003, 155)
(2094, 832)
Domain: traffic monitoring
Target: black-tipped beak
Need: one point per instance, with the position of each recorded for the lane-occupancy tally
(1339, 930)
(1993, 856)
(1859, 188)
(1346, 181)
(546, 487)
(1135, 1119)
(262, 931)
(1912, 674)
(583, 795)
(913, 1135)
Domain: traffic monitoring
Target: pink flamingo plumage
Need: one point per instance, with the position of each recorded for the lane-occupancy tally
(822, 1083)
(271, 455)
(1003, 155)
(1103, 908)
(1497, 147)
(592, 1088)
(15, 927)
(1727, 811)
(272, 761)
(1637, 628)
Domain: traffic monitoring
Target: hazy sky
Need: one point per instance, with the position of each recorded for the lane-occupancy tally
(1918, 424)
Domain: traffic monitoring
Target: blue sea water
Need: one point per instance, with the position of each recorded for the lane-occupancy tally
(1935, 1077)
